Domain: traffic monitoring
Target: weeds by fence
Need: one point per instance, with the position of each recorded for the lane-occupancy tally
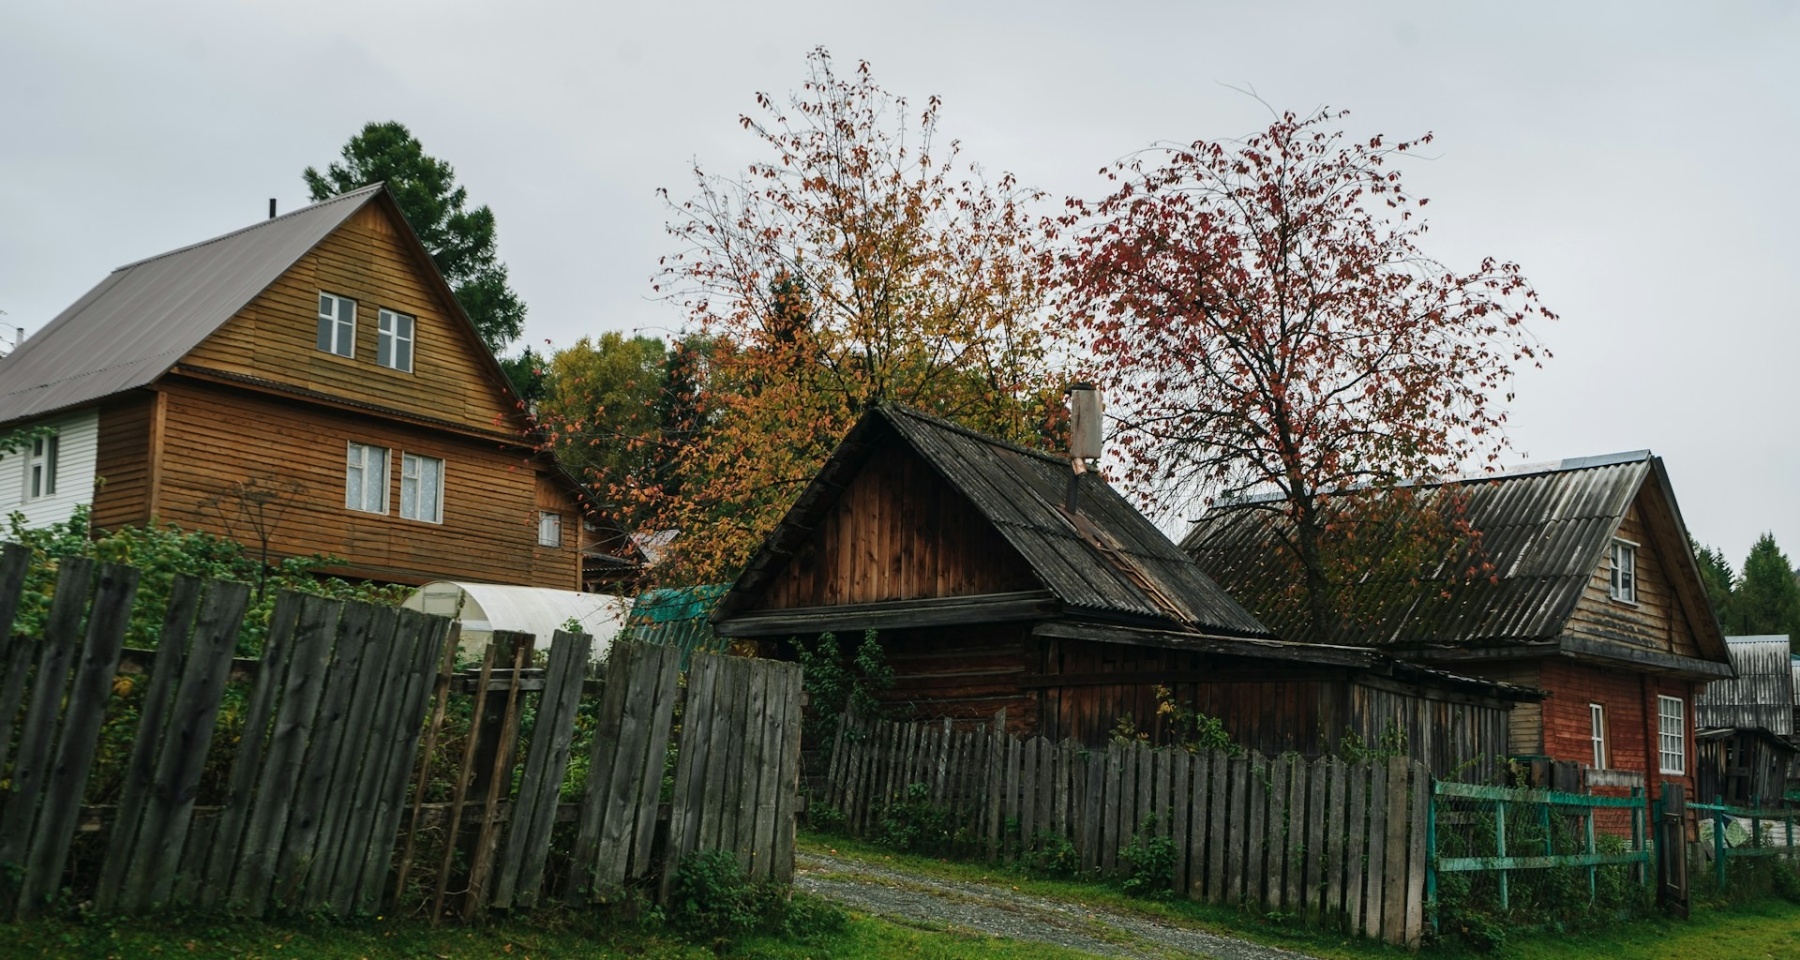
(350, 772)
(1738, 837)
(1341, 844)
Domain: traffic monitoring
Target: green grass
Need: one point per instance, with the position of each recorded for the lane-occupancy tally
(1766, 928)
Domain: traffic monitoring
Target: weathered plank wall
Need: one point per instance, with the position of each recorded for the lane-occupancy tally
(1340, 843)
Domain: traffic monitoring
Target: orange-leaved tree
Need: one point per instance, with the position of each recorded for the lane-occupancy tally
(862, 261)
(1266, 323)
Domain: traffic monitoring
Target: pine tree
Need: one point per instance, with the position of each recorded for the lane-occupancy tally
(1767, 600)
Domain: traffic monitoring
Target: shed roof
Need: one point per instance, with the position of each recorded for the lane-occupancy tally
(1104, 559)
(134, 325)
(1544, 528)
(1762, 695)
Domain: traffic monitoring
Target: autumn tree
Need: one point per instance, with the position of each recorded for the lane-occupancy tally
(862, 261)
(600, 406)
(1265, 322)
(460, 239)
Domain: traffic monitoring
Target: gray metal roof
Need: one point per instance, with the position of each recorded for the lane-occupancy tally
(1544, 529)
(131, 328)
(1107, 561)
(1761, 696)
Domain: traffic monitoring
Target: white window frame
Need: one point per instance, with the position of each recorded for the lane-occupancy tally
(389, 339)
(366, 473)
(341, 339)
(40, 466)
(413, 477)
(549, 528)
(1597, 733)
(1671, 735)
(1621, 562)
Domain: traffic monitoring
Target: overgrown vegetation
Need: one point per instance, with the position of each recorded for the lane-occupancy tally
(837, 681)
(1149, 861)
(917, 825)
(713, 904)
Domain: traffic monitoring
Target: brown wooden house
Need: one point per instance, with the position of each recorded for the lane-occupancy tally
(990, 590)
(1595, 599)
(315, 364)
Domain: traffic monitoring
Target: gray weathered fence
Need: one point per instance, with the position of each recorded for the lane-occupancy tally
(344, 712)
(1337, 842)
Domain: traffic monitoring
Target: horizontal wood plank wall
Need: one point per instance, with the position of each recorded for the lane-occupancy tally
(275, 336)
(548, 564)
(1338, 844)
(899, 533)
(1655, 621)
(962, 672)
(122, 468)
(489, 532)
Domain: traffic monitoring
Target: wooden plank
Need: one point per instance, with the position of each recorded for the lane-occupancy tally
(323, 757)
(1110, 805)
(188, 738)
(15, 651)
(362, 788)
(1029, 788)
(781, 868)
(1393, 910)
(665, 677)
(382, 659)
(499, 780)
(1256, 802)
(996, 768)
(768, 771)
(1065, 776)
(1415, 859)
(1337, 813)
(437, 640)
(140, 770)
(596, 800)
(750, 736)
(1316, 844)
(735, 713)
(91, 687)
(1093, 813)
(1199, 816)
(246, 763)
(440, 694)
(1181, 798)
(1356, 845)
(1220, 835)
(553, 721)
(1277, 847)
(1237, 830)
(59, 649)
(690, 768)
(728, 696)
(1376, 846)
(459, 791)
(1012, 785)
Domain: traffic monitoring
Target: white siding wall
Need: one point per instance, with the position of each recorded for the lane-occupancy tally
(78, 434)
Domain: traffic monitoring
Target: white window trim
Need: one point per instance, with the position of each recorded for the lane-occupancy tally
(388, 334)
(1664, 738)
(1613, 591)
(41, 463)
(553, 521)
(383, 457)
(1597, 733)
(335, 318)
(413, 460)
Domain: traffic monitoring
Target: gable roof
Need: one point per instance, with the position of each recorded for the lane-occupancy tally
(1762, 695)
(1544, 528)
(1105, 561)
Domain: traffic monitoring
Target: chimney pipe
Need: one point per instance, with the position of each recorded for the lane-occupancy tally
(1085, 415)
(271, 208)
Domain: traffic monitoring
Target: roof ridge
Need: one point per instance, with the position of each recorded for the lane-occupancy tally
(357, 194)
(1518, 472)
(970, 432)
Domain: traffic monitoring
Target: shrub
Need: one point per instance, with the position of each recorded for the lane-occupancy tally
(916, 825)
(1149, 861)
(711, 902)
(1051, 855)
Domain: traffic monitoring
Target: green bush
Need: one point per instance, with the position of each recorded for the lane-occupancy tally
(1051, 855)
(916, 825)
(1149, 862)
(712, 903)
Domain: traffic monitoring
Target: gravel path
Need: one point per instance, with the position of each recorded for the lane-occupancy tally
(995, 909)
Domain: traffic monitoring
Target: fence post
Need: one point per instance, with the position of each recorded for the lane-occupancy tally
(1431, 853)
(1719, 843)
(1500, 843)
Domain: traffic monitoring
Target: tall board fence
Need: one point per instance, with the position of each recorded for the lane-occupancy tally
(340, 782)
(1340, 843)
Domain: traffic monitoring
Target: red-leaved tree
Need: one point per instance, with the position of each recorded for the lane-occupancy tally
(1266, 323)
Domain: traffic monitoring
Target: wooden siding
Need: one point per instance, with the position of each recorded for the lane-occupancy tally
(275, 336)
(966, 673)
(216, 435)
(548, 564)
(122, 487)
(899, 532)
(1656, 621)
(1526, 737)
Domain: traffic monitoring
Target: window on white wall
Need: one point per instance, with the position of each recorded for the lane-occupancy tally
(1623, 556)
(549, 529)
(421, 488)
(394, 346)
(366, 478)
(1597, 732)
(40, 467)
(1671, 735)
(337, 324)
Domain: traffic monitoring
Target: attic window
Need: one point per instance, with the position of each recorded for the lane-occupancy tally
(337, 325)
(394, 344)
(1623, 560)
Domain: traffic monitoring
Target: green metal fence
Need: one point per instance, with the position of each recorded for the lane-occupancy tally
(1500, 850)
(1741, 832)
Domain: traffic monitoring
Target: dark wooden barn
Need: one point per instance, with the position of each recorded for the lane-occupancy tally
(1744, 738)
(989, 590)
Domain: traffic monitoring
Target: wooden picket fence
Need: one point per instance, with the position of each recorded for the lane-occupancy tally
(325, 809)
(1341, 844)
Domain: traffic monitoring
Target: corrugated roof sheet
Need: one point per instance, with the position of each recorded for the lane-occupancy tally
(132, 327)
(1761, 696)
(1107, 559)
(1544, 532)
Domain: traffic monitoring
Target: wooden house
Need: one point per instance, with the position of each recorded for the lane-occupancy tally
(1744, 726)
(989, 589)
(1595, 599)
(310, 375)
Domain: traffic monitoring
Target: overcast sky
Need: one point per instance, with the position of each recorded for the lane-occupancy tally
(1639, 160)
